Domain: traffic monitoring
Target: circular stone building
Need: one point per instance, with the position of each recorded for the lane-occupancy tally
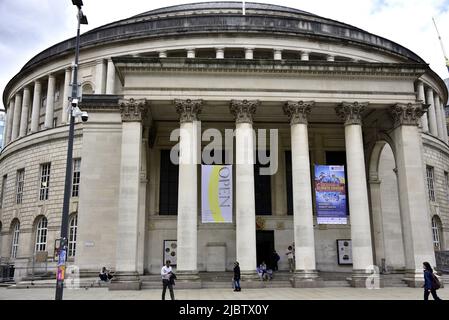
(330, 93)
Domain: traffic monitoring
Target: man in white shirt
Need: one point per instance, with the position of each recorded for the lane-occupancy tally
(166, 273)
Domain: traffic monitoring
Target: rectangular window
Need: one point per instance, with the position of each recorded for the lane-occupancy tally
(44, 181)
(168, 185)
(19, 185)
(2, 195)
(430, 185)
(262, 189)
(55, 122)
(76, 177)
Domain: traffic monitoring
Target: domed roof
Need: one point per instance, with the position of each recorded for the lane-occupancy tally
(224, 17)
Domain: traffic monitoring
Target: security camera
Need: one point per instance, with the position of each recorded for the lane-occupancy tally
(84, 116)
(78, 113)
(75, 103)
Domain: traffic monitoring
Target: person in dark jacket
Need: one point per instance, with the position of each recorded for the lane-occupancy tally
(428, 282)
(237, 277)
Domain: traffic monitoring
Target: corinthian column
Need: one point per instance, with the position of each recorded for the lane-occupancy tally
(244, 173)
(133, 113)
(415, 219)
(189, 145)
(305, 271)
(362, 251)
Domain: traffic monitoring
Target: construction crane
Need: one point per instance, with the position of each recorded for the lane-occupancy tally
(442, 45)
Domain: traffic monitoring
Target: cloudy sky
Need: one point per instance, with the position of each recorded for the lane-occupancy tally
(30, 26)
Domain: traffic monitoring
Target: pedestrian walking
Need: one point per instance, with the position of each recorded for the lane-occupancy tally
(237, 277)
(431, 283)
(167, 280)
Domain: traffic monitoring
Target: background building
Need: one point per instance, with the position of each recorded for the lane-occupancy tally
(336, 94)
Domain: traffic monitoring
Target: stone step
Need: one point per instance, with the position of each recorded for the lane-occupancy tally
(336, 284)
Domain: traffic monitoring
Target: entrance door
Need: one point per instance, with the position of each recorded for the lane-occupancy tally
(264, 246)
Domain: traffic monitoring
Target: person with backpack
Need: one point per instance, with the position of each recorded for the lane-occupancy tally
(431, 282)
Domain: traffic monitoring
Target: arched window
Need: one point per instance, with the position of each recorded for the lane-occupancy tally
(73, 225)
(436, 232)
(41, 235)
(15, 228)
(87, 89)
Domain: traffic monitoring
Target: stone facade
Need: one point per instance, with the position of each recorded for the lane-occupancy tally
(377, 111)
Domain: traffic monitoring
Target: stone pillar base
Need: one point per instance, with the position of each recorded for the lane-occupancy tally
(414, 279)
(250, 280)
(187, 280)
(125, 281)
(362, 279)
(306, 279)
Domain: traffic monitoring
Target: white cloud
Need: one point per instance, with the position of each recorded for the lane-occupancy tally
(31, 26)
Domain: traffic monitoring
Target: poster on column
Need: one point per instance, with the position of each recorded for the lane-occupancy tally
(216, 193)
(330, 194)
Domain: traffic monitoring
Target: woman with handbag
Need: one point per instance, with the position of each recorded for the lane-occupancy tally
(430, 284)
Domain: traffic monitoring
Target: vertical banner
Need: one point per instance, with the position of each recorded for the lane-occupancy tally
(216, 193)
(330, 194)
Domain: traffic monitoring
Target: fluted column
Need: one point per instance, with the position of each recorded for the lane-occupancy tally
(100, 77)
(110, 83)
(305, 271)
(67, 94)
(362, 250)
(415, 219)
(37, 94)
(433, 127)
(25, 110)
(422, 97)
(49, 109)
(10, 116)
(189, 152)
(16, 118)
(243, 112)
(133, 112)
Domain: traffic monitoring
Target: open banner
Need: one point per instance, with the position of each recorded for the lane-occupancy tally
(330, 194)
(216, 193)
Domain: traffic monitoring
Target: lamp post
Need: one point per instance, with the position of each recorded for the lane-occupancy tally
(74, 110)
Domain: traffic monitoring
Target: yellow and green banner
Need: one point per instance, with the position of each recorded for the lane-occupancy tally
(216, 193)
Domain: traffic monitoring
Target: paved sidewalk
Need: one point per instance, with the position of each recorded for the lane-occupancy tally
(225, 294)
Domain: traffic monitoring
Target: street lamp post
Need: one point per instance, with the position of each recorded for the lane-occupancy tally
(74, 110)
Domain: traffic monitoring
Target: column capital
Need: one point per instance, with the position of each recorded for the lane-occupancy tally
(408, 114)
(351, 112)
(188, 109)
(298, 112)
(243, 110)
(133, 110)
